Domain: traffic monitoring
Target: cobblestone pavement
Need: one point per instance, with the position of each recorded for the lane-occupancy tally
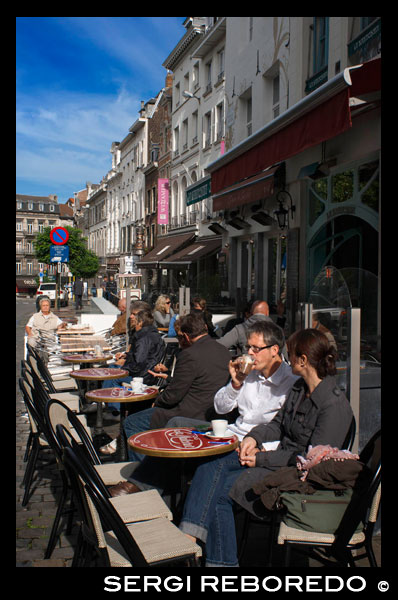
(34, 522)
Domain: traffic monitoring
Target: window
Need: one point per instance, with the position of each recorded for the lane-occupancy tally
(29, 267)
(30, 227)
(195, 127)
(275, 96)
(249, 116)
(321, 45)
(19, 205)
(52, 208)
(41, 207)
(30, 205)
(185, 135)
(41, 226)
(18, 267)
(221, 57)
(176, 141)
(19, 226)
(19, 246)
(250, 29)
(195, 76)
(220, 121)
(208, 77)
(177, 95)
(207, 130)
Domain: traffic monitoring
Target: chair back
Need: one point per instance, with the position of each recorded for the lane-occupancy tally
(57, 413)
(40, 372)
(101, 510)
(350, 437)
(366, 496)
(35, 414)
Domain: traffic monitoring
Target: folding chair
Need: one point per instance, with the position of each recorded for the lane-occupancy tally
(74, 433)
(39, 368)
(155, 542)
(363, 508)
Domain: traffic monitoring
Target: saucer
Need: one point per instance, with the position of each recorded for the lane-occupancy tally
(211, 435)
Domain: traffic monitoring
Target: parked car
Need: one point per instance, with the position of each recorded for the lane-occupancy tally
(49, 289)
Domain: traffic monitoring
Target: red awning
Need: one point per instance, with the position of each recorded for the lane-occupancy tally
(248, 191)
(325, 121)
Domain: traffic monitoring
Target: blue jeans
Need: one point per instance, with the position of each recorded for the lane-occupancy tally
(208, 510)
(136, 423)
(110, 383)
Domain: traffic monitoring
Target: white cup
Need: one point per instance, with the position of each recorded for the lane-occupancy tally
(219, 427)
(137, 384)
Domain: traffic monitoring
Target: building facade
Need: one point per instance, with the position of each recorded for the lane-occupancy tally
(33, 215)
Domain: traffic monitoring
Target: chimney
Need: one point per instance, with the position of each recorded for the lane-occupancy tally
(169, 79)
(53, 197)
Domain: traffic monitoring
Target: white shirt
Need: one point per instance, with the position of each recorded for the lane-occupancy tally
(258, 400)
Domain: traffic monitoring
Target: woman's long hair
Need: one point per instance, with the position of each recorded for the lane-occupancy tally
(160, 302)
(316, 347)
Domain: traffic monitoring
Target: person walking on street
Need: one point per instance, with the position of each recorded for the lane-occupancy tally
(111, 288)
(78, 289)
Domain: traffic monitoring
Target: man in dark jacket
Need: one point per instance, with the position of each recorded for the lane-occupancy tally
(201, 370)
(78, 289)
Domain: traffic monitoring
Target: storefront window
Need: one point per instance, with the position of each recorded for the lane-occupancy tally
(317, 196)
(342, 186)
(368, 182)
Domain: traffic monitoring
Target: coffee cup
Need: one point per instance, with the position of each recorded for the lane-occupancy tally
(137, 384)
(245, 364)
(219, 427)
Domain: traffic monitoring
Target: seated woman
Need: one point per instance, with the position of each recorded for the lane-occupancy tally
(146, 351)
(199, 305)
(163, 312)
(316, 412)
(43, 322)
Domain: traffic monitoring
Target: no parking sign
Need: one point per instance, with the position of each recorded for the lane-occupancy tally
(59, 236)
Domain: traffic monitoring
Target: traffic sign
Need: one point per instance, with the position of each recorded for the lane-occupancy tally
(59, 235)
(59, 254)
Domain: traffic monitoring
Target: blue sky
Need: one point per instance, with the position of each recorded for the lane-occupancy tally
(79, 85)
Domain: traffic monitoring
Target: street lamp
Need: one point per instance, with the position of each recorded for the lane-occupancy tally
(282, 213)
(187, 94)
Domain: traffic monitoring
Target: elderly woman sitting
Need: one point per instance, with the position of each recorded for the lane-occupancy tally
(163, 312)
(43, 322)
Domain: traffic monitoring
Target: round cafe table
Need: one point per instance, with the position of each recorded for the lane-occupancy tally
(125, 397)
(180, 442)
(96, 374)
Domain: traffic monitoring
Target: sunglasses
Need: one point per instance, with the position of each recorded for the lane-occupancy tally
(168, 302)
(256, 349)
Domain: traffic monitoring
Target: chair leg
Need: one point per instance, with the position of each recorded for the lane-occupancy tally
(30, 468)
(54, 530)
(28, 445)
(287, 554)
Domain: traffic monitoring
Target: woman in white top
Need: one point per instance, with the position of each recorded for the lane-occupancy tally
(43, 321)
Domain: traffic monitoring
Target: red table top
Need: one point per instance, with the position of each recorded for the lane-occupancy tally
(121, 394)
(99, 373)
(180, 442)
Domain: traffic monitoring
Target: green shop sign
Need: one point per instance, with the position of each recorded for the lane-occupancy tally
(199, 191)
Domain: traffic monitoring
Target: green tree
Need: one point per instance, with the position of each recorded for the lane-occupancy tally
(82, 262)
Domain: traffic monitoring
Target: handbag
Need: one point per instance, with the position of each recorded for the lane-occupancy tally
(320, 512)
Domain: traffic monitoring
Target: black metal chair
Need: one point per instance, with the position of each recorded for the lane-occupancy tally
(155, 542)
(356, 528)
(273, 519)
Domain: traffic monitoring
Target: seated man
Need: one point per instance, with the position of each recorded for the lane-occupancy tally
(236, 338)
(201, 369)
(146, 351)
(119, 325)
